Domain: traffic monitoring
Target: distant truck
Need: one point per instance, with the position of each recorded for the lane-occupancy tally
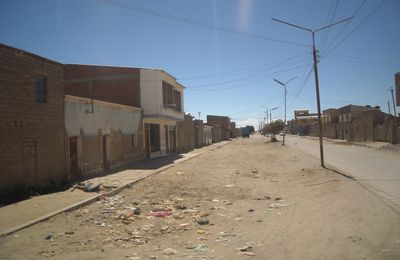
(245, 132)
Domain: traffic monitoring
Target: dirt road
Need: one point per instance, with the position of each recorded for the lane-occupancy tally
(253, 199)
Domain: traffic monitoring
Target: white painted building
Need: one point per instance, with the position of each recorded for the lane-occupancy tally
(100, 135)
(162, 102)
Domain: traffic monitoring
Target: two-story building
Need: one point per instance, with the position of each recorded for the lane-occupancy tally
(162, 102)
(347, 115)
(330, 119)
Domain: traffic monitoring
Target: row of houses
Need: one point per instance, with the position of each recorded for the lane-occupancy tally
(65, 122)
(351, 122)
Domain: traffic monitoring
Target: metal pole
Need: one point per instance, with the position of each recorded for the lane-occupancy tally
(321, 148)
(394, 104)
(284, 122)
(389, 107)
(316, 74)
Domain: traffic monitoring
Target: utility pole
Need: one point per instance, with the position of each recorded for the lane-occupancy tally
(313, 32)
(199, 114)
(285, 93)
(394, 104)
(389, 107)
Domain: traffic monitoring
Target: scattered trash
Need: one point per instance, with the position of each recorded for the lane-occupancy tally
(161, 214)
(246, 248)
(16, 235)
(277, 205)
(180, 206)
(230, 185)
(201, 231)
(87, 187)
(179, 173)
(170, 251)
(201, 248)
(49, 237)
(184, 225)
(247, 253)
(203, 221)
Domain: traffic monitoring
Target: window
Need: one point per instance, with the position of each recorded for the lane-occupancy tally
(41, 88)
(177, 97)
(168, 95)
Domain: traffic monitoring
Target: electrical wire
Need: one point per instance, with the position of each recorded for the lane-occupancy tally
(201, 87)
(357, 27)
(345, 25)
(194, 22)
(246, 70)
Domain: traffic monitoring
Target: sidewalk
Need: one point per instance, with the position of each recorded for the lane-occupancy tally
(369, 144)
(23, 214)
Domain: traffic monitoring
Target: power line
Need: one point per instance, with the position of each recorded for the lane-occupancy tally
(345, 25)
(246, 70)
(302, 86)
(201, 87)
(331, 16)
(358, 26)
(194, 22)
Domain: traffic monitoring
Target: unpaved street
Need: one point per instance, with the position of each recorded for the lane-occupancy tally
(379, 170)
(249, 199)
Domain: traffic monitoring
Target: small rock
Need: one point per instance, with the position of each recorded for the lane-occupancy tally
(259, 220)
(201, 231)
(153, 257)
(170, 251)
(251, 210)
(69, 232)
(254, 171)
(137, 211)
(203, 221)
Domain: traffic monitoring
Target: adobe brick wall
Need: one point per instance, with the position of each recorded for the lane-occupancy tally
(32, 146)
(112, 84)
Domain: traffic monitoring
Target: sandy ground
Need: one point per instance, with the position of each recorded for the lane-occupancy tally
(262, 201)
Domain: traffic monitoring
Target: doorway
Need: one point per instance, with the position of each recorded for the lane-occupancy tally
(73, 158)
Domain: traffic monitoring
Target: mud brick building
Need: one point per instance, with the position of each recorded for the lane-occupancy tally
(185, 134)
(223, 122)
(32, 120)
(103, 118)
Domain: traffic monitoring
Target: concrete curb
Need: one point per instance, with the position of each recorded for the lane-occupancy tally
(99, 196)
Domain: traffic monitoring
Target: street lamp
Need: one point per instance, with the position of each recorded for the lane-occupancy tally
(313, 32)
(284, 86)
(270, 114)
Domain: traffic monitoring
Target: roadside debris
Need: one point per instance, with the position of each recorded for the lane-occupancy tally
(87, 187)
(201, 248)
(203, 221)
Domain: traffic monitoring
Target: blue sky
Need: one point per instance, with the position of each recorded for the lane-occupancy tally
(225, 52)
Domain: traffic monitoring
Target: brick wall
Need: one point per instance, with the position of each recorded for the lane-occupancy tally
(32, 146)
(112, 84)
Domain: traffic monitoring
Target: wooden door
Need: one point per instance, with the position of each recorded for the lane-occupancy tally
(146, 142)
(73, 158)
(166, 139)
(105, 161)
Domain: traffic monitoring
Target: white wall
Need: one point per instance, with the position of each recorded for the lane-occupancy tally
(103, 117)
(150, 91)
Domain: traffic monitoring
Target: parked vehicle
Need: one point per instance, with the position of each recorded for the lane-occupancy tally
(245, 132)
